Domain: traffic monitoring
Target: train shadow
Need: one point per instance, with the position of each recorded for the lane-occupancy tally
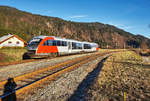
(80, 92)
(9, 90)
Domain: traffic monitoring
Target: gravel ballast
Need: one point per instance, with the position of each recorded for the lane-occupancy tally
(69, 86)
(19, 69)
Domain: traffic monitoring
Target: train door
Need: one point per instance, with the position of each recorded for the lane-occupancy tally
(69, 47)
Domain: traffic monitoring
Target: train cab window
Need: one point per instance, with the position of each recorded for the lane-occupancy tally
(45, 43)
(34, 42)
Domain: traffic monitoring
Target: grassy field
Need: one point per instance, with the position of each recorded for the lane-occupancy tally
(11, 54)
(15, 54)
(124, 77)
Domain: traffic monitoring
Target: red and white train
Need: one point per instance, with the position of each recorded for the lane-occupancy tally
(40, 46)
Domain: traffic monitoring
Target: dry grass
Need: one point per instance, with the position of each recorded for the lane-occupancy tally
(109, 50)
(123, 77)
(12, 54)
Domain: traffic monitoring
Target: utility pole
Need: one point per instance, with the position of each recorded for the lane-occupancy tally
(124, 45)
(107, 46)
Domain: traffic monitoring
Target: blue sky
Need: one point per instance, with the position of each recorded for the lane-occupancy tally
(131, 15)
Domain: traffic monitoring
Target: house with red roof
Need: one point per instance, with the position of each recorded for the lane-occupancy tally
(12, 41)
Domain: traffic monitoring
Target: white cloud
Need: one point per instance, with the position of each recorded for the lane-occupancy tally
(126, 27)
(78, 16)
(49, 11)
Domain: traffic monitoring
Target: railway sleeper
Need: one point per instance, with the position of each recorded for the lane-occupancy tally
(32, 78)
(46, 73)
(20, 84)
(27, 80)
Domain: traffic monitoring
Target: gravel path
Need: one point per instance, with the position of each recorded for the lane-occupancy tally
(68, 85)
(19, 69)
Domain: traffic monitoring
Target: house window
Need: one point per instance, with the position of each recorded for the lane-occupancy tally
(9, 42)
(17, 42)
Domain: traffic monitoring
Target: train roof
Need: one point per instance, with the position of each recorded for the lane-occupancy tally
(59, 38)
(64, 39)
(40, 37)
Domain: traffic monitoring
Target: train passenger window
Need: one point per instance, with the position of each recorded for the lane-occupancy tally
(58, 43)
(87, 46)
(61, 43)
(64, 43)
(54, 43)
(79, 46)
(50, 42)
(76, 45)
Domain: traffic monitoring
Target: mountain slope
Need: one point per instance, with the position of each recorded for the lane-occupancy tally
(27, 25)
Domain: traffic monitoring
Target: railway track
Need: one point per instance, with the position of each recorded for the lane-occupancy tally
(34, 79)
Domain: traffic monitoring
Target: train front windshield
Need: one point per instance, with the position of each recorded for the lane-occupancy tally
(34, 43)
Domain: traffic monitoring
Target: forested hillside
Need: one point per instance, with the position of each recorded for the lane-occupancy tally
(26, 25)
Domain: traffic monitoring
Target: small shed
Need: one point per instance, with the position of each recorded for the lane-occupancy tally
(12, 41)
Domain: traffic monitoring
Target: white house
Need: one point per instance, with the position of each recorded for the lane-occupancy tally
(12, 41)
